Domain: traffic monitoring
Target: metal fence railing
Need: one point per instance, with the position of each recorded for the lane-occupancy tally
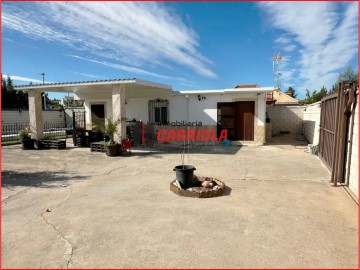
(10, 132)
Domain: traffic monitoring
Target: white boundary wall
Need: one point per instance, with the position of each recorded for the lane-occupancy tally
(354, 162)
(312, 122)
(12, 117)
(286, 118)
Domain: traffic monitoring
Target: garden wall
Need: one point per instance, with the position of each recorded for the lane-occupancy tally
(21, 117)
(312, 122)
(286, 118)
(353, 154)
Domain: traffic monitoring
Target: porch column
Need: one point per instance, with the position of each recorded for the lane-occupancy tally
(119, 110)
(35, 113)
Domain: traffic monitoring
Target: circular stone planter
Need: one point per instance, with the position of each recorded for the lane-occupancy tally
(199, 191)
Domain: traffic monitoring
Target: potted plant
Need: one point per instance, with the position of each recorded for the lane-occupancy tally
(26, 141)
(110, 128)
(185, 173)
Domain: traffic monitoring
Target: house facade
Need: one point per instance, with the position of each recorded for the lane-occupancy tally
(240, 111)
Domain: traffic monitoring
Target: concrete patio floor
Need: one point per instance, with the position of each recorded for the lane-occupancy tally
(279, 210)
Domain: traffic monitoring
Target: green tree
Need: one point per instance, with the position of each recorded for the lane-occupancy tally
(4, 97)
(291, 92)
(347, 75)
(55, 104)
(11, 98)
(315, 96)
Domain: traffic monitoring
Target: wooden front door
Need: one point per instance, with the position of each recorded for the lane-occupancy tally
(97, 113)
(244, 120)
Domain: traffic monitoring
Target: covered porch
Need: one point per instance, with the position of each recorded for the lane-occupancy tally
(103, 99)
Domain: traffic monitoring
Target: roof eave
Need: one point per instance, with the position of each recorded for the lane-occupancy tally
(229, 91)
(73, 84)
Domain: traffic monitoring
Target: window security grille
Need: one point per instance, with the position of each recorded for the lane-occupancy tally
(158, 111)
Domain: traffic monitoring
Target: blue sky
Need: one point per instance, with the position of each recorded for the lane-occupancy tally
(190, 46)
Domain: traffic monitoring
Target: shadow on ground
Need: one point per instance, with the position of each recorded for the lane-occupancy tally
(227, 191)
(287, 139)
(43, 179)
(222, 150)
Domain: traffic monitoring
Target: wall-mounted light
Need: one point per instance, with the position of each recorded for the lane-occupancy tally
(201, 98)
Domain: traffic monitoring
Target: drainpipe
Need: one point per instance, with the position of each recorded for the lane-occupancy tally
(187, 108)
(187, 126)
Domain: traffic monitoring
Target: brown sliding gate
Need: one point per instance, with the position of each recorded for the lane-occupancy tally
(336, 112)
(327, 129)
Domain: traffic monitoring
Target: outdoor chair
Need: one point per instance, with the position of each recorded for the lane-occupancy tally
(126, 144)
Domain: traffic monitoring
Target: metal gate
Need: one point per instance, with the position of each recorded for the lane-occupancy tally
(336, 112)
(79, 120)
(327, 129)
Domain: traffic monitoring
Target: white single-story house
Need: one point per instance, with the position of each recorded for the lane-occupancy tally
(239, 110)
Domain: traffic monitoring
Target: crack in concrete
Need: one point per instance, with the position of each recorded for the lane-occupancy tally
(29, 221)
(112, 170)
(246, 172)
(6, 256)
(15, 196)
(70, 250)
(40, 214)
(71, 193)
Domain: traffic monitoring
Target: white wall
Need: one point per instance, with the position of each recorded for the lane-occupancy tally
(312, 122)
(204, 111)
(354, 163)
(261, 110)
(177, 108)
(286, 118)
(16, 117)
(137, 108)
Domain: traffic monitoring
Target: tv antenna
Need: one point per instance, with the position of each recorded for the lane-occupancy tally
(277, 58)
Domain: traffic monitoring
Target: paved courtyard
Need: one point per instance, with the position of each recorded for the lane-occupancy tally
(279, 210)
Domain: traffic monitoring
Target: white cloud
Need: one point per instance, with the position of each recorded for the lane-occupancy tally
(289, 48)
(23, 79)
(136, 33)
(283, 40)
(87, 75)
(325, 32)
(131, 69)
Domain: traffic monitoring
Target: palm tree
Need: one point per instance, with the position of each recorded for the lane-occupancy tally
(109, 128)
